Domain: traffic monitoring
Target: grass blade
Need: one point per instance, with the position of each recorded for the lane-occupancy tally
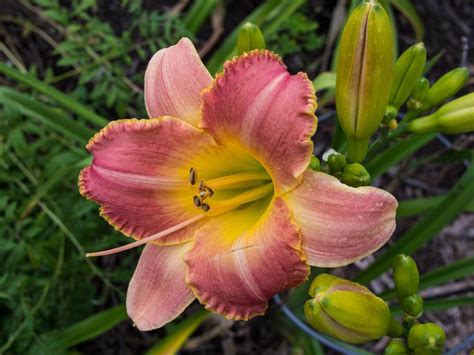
(52, 118)
(325, 81)
(409, 208)
(87, 329)
(408, 10)
(180, 333)
(61, 98)
(432, 223)
(396, 153)
(451, 272)
(439, 304)
(198, 14)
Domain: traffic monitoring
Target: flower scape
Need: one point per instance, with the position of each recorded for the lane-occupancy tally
(216, 183)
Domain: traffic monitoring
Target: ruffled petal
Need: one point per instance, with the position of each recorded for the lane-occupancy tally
(139, 175)
(242, 258)
(258, 105)
(340, 224)
(174, 79)
(157, 293)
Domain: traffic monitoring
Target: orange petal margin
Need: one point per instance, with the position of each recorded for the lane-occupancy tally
(340, 224)
(257, 104)
(237, 263)
(139, 175)
(174, 79)
(157, 293)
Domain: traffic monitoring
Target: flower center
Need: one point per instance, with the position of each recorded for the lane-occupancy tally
(240, 189)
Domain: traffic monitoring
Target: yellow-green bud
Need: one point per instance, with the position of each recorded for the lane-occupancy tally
(396, 347)
(390, 114)
(413, 305)
(315, 163)
(395, 328)
(346, 310)
(364, 75)
(337, 162)
(446, 87)
(408, 70)
(406, 276)
(418, 94)
(250, 38)
(454, 117)
(355, 175)
(427, 338)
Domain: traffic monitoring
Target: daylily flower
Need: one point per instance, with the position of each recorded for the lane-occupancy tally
(216, 184)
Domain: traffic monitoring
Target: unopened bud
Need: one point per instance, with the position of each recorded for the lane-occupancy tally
(364, 75)
(315, 163)
(337, 163)
(428, 338)
(408, 69)
(396, 347)
(413, 306)
(390, 114)
(250, 38)
(454, 117)
(395, 328)
(446, 87)
(418, 94)
(406, 276)
(355, 175)
(346, 310)
(392, 124)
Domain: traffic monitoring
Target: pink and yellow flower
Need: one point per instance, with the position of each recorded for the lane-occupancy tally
(216, 184)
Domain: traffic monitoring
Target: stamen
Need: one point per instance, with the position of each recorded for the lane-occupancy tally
(237, 180)
(197, 201)
(205, 207)
(148, 239)
(192, 176)
(221, 206)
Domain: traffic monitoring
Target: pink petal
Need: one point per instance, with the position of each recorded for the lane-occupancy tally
(139, 175)
(340, 224)
(174, 80)
(157, 293)
(257, 104)
(239, 260)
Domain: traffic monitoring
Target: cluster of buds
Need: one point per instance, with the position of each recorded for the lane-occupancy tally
(352, 174)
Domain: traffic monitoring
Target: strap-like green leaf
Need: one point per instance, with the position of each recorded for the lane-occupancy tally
(432, 223)
(198, 14)
(178, 336)
(62, 99)
(408, 10)
(54, 119)
(324, 81)
(409, 208)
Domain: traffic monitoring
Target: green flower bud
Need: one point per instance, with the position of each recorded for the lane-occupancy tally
(250, 38)
(346, 310)
(364, 75)
(395, 328)
(408, 69)
(413, 305)
(355, 175)
(336, 163)
(426, 338)
(406, 276)
(396, 347)
(454, 117)
(315, 163)
(418, 94)
(446, 86)
(390, 114)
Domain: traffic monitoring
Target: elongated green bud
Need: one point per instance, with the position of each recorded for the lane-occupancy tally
(413, 305)
(408, 70)
(418, 94)
(346, 310)
(315, 163)
(355, 175)
(364, 75)
(406, 276)
(250, 38)
(396, 347)
(454, 117)
(428, 338)
(336, 162)
(446, 87)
